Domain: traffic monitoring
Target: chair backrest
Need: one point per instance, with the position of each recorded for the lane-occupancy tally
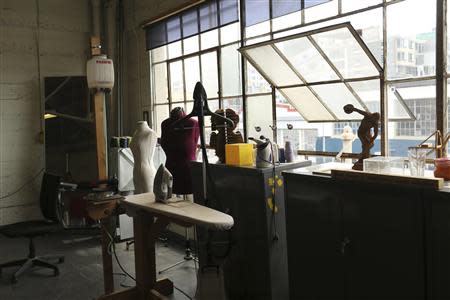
(49, 196)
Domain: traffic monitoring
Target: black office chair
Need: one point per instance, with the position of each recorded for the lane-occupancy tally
(30, 229)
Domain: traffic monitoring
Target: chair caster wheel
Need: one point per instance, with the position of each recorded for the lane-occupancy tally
(14, 280)
(56, 273)
(61, 260)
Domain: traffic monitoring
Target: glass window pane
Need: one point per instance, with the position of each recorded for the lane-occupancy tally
(208, 15)
(335, 96)
(283, 7)
(190, 23)
(230, 33)
(369, 26)
(156, 35)
(161, 113)
(210, 76)
(173, 29)
(256, 11)
(231, 71)
(229, 11)
(259, 114)
(257, 40)
(351, 5)
(289, 126)
(287, 21)
(273, 66)
(255, 82)
(307, 60)
(311, 3)
(209, 39)
(190, 45)
(236, 105)
(257, 29)
(396, 105)
(176, 81)
(307, 104)
(369, 92)
(192, 75)
(411, 41)
(345, 53)
(174, 49)
(321, 11)
(160, 80)
(213, 106)
(159, 54)
(420, 97)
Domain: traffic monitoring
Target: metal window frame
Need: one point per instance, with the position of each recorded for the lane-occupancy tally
(440, 76)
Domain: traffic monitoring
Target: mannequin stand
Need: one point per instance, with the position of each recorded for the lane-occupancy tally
(187, 257)
(187, 252)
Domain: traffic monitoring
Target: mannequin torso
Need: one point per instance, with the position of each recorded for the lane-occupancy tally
(143, 147)
(180, 147)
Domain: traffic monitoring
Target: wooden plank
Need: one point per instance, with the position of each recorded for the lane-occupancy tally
(373, 178)
(100, 134)
(95, 46)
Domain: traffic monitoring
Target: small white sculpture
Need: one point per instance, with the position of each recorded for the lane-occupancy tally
(143, 147)
(347, 141)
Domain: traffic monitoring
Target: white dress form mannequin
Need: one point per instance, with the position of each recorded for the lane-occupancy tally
(143, 147)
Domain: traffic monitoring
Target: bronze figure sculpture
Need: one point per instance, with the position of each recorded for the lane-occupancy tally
(224, 134)
(367, 138)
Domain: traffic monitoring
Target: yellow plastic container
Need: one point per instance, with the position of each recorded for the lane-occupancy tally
(239, 154)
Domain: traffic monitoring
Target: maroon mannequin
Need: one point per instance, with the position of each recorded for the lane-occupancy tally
(180, 147)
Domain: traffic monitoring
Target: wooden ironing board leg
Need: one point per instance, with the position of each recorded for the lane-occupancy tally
(146, 231)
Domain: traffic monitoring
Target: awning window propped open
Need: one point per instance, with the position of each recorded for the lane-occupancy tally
(322, 70)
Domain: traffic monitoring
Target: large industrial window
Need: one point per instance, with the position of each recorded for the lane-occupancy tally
(295, 77)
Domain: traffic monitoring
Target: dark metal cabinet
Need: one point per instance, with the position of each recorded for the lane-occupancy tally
(353, 241)
(437, 208)
(256, 265)
(314, 229)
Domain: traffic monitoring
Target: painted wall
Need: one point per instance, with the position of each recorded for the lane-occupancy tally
(37, 39)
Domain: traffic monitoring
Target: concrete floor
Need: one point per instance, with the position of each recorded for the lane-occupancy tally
(81, 274)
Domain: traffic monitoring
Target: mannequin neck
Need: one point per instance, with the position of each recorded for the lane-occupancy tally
(142, 124)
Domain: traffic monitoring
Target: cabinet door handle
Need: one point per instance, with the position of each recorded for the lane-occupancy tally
(344, 245)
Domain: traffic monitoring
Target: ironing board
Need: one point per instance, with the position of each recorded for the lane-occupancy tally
(149, 218)
(185, 212)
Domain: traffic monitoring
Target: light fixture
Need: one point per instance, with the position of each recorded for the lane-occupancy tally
(49, 116)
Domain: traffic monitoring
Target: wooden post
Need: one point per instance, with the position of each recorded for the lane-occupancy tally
(144, 253)
(100, 134)
(99, 120)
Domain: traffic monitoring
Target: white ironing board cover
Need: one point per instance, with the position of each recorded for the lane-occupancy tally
(184, 211)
